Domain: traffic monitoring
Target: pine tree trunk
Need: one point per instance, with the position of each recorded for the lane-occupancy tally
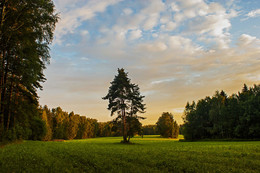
(124, 126)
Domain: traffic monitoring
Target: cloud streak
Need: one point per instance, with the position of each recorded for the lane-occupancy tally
(254, 13)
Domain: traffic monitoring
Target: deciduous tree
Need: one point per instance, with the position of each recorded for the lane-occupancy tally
(167, 127)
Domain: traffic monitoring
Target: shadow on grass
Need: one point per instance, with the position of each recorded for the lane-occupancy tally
(126, 144)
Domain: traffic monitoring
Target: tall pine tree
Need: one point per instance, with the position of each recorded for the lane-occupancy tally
(126, 101)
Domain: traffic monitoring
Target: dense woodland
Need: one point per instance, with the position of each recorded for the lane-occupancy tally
(220, 116)
(26, 29)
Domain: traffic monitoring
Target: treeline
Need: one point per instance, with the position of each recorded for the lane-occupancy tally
(220, 116)
(59, 124)
(63, 125)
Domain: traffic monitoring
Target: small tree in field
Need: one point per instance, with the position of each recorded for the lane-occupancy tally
(126, 101)
(167, 127)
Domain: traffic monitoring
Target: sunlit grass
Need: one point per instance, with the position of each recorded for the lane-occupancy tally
(147, 154)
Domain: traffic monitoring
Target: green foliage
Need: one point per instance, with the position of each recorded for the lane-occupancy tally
(106, 129)
(73, 123)
(38, 128)
(236, 116)
(148, 154)
(134, 127)
(26, 29)
(150, 130)
(166, 126)
(63, 125)
(46, 117)
(126, 101)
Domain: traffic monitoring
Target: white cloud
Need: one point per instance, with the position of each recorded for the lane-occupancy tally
(191, 9)
(84, 32)
(163, 80)
(71, 18)
(84, 58)
(135, 34)
(164, 19)
(216, 8)
(190, 3)
(152, 13)
(254, 13)
(153, 47)
(246, 40)
(174, 7)
(151, 22)
(128, 11)
(171, 26)
(178, 110)
(155, 35)
(185, 45)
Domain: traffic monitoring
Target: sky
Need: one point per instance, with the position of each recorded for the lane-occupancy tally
(176, 51)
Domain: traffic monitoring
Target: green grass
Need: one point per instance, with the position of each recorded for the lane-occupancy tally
(148, 154)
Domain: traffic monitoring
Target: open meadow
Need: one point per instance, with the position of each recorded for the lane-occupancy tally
(148, 154)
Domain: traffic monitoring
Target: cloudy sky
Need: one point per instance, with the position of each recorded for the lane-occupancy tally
(175, 50)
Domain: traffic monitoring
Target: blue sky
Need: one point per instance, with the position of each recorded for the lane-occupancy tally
(176, 51)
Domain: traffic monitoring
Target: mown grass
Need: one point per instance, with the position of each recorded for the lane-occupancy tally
(148, 154)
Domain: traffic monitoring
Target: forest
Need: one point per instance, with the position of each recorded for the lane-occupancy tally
(224, 117)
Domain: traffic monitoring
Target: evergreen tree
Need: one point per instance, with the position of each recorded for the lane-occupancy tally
(126, 101)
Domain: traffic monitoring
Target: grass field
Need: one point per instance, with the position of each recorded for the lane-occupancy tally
(148, 154)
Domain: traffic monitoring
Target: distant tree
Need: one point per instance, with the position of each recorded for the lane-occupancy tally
(47, 118)
(73, 124)
(87, 128)
(176, 128)
(166, 126)
(126, 101)
(134, 127)
(150, 130)
(105, 129)
(82, 128)
(60, 123)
